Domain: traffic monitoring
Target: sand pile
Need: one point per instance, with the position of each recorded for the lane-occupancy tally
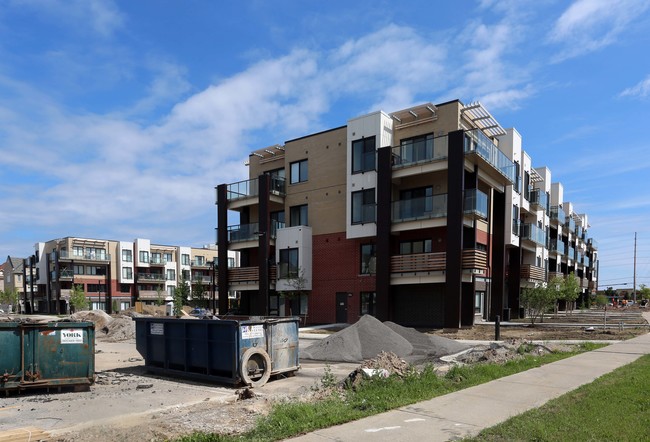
(107, 328)
(368, 337)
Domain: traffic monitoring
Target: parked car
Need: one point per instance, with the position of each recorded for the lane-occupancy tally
(199, 312)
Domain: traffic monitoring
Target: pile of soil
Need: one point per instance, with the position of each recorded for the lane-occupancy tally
(107, 328)
(385, 364)
(368, 337)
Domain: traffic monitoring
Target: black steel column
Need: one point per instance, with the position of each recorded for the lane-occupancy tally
(455, 199)
(260, 306)
(222, 247)
(382, 279)
(109, 292)
(514, 280)
(498, 254)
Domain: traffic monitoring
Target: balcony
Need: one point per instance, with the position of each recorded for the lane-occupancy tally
(66, 275)
(592, 243)
(200, 263)
(570, 223)
(477, 143)
(250, 188)
(420, 151)
(557, 246)
(436, 261)
(250, 232)
(531, 272)
(539, 200)
(249, 275)
(64, 255)
(151, 277)
(554, 214)
(533, 233)
(414, 209)
(476, 204)
(571, 253)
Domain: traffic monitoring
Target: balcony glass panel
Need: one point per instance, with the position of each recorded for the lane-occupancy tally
(88, 256)
(420, 150)
(533, 233)
(242, 189)
(420, 208)
(571, 253)
(476, 203)
(593, 243)
(243, 232)
(586, 261)
(570, 223)
(477, 142)
(555, 213)
(278, 185)
(539, 198)
(557, 246)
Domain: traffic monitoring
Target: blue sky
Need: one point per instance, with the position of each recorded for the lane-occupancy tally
(118, 118)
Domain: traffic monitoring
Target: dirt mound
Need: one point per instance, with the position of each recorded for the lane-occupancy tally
(120, 328)
(368, 337)
(383, 365)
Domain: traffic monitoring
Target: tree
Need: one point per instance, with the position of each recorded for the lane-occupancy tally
(160, 299)
(297, 283)
(181, 294)
(568, 291)
(198, 293)
(78, 299)
(537, 301)
(644, 291)
(10, 297)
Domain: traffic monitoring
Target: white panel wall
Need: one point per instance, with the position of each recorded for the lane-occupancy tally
(141, 245)
(298, 237)
(124, 245)
(379, 125)
(510, 144)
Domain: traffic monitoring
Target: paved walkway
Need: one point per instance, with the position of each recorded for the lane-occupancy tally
(465, 413)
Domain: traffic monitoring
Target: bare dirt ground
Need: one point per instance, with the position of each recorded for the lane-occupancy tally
(128, 404)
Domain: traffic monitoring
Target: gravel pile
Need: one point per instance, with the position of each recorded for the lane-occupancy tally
(368, 337)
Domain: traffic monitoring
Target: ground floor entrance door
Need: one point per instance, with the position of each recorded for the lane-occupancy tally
(341, 307)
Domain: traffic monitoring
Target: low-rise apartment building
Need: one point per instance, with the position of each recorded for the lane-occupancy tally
(115, 274)
(428, 216)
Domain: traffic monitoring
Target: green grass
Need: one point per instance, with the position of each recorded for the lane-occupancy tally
(376, 396)
(615, 407)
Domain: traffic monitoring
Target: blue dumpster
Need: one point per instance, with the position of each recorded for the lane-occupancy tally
(45, 355)
(241, 350)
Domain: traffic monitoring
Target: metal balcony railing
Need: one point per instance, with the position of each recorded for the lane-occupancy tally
(477, 142)
(476, 203)
(427, 207)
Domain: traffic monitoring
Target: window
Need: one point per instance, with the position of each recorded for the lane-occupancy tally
(288, 263)
(77, 251)
(417, 246)
(478, 302)
(363, 155)
(278, 217)
(94, 270)
(156, 258)
(186, 275)
(168, 257)
(368, 259)
(231, 262)
(125, 288)
(199, 260)
(185, 259)
(363, 206)
(144, 256)
(96, 288)
(515, 219)
(417, 149)
(298, 171)
(78, 270)
(170, 290)
(127, 255)
(127, 273)
(368, 300)
(415, 203)
(298, 215)
(171, 275)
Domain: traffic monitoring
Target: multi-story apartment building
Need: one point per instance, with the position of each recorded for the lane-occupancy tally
(116, 274)
(428, 216)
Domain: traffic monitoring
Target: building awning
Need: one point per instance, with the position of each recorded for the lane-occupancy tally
(481, 118)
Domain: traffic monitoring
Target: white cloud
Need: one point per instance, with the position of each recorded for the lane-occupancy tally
(588, 25)
(640, 90)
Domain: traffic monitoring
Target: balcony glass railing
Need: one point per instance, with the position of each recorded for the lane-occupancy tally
(476, 203)
(92, 256)
(251, 232)
(571, 253)
(533, 233)
(557, 246)
(242, 189)
(477, 142)
(554, 213)
(586, 261)
(570, 223)
(420, 208)
(539, 198)
(151, 277)
(593, 243)
(420, 150)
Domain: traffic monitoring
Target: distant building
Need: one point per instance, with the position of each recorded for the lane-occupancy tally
(115, 274)
(429, 216)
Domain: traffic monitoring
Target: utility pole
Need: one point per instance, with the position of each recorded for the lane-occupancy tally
(634, 287)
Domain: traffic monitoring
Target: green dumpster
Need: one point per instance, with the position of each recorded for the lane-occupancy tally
(45, 355)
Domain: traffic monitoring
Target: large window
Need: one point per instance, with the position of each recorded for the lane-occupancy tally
(127, 255)
(168, 257)
(185, 259)
(78, 270)
(298, 215)
(77, 251)
(368, 300)
(288, 263)
(363, 206)
(156, 258)
(363, 155)
(417, 149)
(127, 273)
(95, 270)
(299, 172)
(415, 203)
(144, 256)
(368, 259)
(171, 275)
(417, 246)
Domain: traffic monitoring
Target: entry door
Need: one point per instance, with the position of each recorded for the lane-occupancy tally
(341, 307)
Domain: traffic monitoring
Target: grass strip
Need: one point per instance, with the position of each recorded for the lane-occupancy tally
(615, 406)
(378, 395)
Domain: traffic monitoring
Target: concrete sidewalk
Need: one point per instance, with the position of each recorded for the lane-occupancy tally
(465, 413)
